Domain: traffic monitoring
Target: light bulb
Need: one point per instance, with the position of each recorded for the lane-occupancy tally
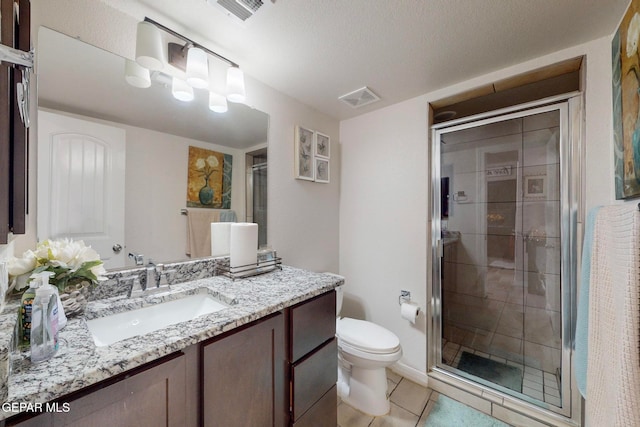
(235, 85)
(217, 103)
(197, 68)
(149, 49)
(136, 75)
(181, 90)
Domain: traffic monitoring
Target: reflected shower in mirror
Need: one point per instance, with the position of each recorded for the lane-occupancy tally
(83, 82)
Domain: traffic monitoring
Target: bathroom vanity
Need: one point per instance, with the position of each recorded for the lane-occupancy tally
(270, 358)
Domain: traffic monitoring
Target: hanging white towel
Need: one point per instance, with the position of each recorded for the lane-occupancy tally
(613, 376)
(582, 318)
(199, 231)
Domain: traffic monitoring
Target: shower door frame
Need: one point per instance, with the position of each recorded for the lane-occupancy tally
(569, 107)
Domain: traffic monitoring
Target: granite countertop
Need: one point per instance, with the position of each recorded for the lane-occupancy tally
(79, 363)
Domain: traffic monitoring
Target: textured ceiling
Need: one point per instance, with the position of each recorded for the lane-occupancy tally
(318, 50)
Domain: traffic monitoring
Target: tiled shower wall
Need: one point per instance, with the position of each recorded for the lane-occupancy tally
(501, 274)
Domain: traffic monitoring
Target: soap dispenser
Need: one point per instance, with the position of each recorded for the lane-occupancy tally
(44, 321)
(25, 313)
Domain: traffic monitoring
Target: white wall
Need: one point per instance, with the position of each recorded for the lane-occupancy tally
(384, 233)
(383, 219)
(303, 216)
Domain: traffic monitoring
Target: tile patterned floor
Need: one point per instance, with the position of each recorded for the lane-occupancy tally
(536, 383)
(410, 406)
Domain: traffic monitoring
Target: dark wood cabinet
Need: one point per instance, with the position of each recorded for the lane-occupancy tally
(244, 377)
(323, 413)
(313, 356)
(278, 371)
(154, 395)
(311, 324)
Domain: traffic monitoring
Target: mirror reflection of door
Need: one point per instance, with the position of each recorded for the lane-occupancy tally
(81, 178)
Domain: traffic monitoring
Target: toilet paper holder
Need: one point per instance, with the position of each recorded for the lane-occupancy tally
(405, 297)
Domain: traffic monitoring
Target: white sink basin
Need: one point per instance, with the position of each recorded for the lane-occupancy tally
(117, 327)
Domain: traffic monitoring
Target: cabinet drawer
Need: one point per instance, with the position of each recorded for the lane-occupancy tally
(323, 414)
(312, 323)
(313, 376)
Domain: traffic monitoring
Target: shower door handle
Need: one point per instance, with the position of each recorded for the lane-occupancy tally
(439, 248)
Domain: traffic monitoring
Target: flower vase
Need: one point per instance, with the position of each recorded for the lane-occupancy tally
(75, 298)
(206, 193)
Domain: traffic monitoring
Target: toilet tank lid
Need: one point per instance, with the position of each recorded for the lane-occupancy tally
(366, 335)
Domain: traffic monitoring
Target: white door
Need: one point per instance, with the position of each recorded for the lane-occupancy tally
(81, 167)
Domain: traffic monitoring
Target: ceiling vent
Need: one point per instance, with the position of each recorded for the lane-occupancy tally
(359, 98)
(240, 9)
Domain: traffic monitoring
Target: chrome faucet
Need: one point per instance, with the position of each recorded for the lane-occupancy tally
(158, 278)
(137, 258)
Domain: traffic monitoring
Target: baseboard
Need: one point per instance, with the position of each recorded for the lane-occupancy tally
(410, 373)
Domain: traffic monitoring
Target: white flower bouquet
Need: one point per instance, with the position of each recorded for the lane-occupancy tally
(72, 262)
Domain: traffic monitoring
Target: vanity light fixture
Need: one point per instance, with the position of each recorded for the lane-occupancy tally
(190, 57)
(181, 90)
(136, 75)
(149, 48)
(197, 68)
(235, 84)
(217, 103)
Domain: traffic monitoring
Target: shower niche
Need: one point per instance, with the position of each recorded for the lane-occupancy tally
(503, 269)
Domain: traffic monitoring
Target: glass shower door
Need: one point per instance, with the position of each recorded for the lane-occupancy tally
(499, 277)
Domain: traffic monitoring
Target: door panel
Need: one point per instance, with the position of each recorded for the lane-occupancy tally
(501, 280)
(81, 183)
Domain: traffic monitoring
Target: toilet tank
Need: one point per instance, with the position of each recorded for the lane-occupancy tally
(339, 295)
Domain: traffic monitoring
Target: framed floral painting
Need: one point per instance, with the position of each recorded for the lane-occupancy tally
(322, 170)
(626, 103)
(209, 179)
(323, 146)
(304, 148)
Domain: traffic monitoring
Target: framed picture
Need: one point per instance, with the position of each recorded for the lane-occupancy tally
(304, 147)
(209, 179)
(625, 64)
(323, 146)
(535, 187)
(322, 170)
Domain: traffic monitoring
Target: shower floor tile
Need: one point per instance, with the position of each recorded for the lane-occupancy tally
(536, 383)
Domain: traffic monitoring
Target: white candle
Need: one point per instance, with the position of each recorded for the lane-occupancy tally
(243, 244)
(220, 235)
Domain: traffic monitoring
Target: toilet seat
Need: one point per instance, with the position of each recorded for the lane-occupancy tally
(366, 337)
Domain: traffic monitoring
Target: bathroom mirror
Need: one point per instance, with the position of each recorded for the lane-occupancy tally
(82, 81)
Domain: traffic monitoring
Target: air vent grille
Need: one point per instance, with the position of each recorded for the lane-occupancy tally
(359, 98)
(241, 9)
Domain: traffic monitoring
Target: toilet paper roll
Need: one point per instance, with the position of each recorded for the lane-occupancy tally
(220, 238)
(409, 311)
(243, 244)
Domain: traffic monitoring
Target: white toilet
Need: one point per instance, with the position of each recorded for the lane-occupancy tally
(364, 351)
